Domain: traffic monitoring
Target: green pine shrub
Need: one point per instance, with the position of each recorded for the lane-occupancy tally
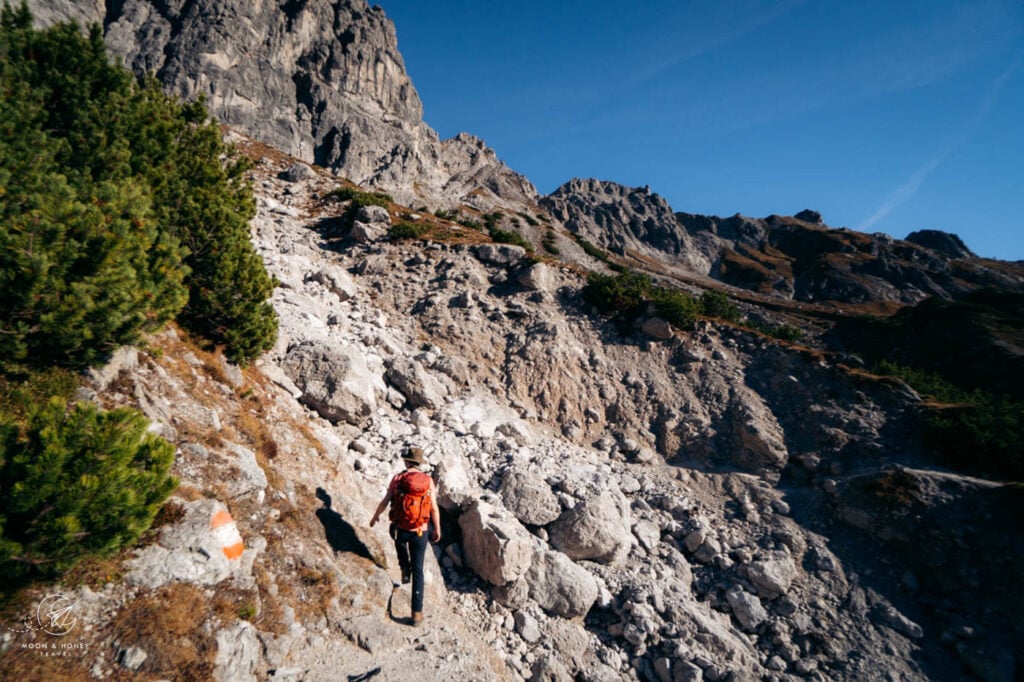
(628, 294)
(360, 198)
(549, 244)
(591, 250)
(783, 332)
(492, 219)
(209, 204)
(680, 309)
(622, 293)
(84, 267)
(530, 220)
(717, 304)
(77, 483)
(122, 208)
(405, 230)
(509, 237)
(975, 431)
(786, 332)
(20, 394)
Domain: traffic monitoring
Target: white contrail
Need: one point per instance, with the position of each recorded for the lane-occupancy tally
(908, 189)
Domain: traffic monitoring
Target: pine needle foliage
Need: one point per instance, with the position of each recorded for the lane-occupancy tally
(76, 483)
(628, 295)
(121, 209)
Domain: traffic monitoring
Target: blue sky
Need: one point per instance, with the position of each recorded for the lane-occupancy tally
(885, 116)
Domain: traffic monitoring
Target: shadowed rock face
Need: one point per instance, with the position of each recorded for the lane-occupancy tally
(319, 79)
(804, 259)
(945, 243)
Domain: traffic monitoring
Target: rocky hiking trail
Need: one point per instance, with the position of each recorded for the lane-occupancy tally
(707, 506)
(619, 502)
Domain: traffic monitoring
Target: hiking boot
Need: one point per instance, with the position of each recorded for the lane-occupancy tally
(417, 618)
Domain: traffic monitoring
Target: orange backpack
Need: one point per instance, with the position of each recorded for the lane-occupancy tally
(410, 506)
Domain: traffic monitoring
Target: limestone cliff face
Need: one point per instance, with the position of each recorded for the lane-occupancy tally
(322, 80)
(621, 218)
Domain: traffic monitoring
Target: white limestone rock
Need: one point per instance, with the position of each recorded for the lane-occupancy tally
(496, 547)
(335, 381)
(598, 528)
(527, 495)
(337, 281)
(560, 586)
(746, 607)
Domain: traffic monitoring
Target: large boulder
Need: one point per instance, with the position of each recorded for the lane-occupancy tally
(537, 277)
(495, 546)
(773, 576)
(499, 254)
(364, 233)
(597, 528)
(336, 280)
(527, 495)
(420, 387)
(560, 586)
(657, 328)
(946, 243)
(335, 381)
(374, 215)
(455, 490)
(747, 608)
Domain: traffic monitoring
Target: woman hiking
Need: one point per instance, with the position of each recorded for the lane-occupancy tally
(414, 519)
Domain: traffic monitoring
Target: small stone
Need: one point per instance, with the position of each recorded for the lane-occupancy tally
(747, 608)
(663, 669)
(132, 657)
(527, 627)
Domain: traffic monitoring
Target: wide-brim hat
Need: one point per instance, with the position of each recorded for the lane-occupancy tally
(414, 454)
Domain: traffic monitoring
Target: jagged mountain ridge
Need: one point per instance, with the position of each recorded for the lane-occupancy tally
(798, 258)
(323, 80)
(319, 79)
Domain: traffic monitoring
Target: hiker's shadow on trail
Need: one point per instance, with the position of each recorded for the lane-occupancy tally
(341, 536)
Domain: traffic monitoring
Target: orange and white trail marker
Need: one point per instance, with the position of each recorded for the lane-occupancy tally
(226, 534)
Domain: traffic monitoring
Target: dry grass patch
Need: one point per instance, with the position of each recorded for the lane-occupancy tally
(96, 572)
(314, 589)
(233, 603)
(170, 625)
(187, 493)
(28, 665)
(251, 423)
(270, 617)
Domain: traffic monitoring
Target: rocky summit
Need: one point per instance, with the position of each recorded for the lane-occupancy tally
(623, 498)
(321, 80)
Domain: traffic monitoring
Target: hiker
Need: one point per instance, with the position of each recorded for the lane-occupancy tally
(414, 514)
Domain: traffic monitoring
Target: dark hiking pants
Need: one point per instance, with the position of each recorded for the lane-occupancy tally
(410, 548)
